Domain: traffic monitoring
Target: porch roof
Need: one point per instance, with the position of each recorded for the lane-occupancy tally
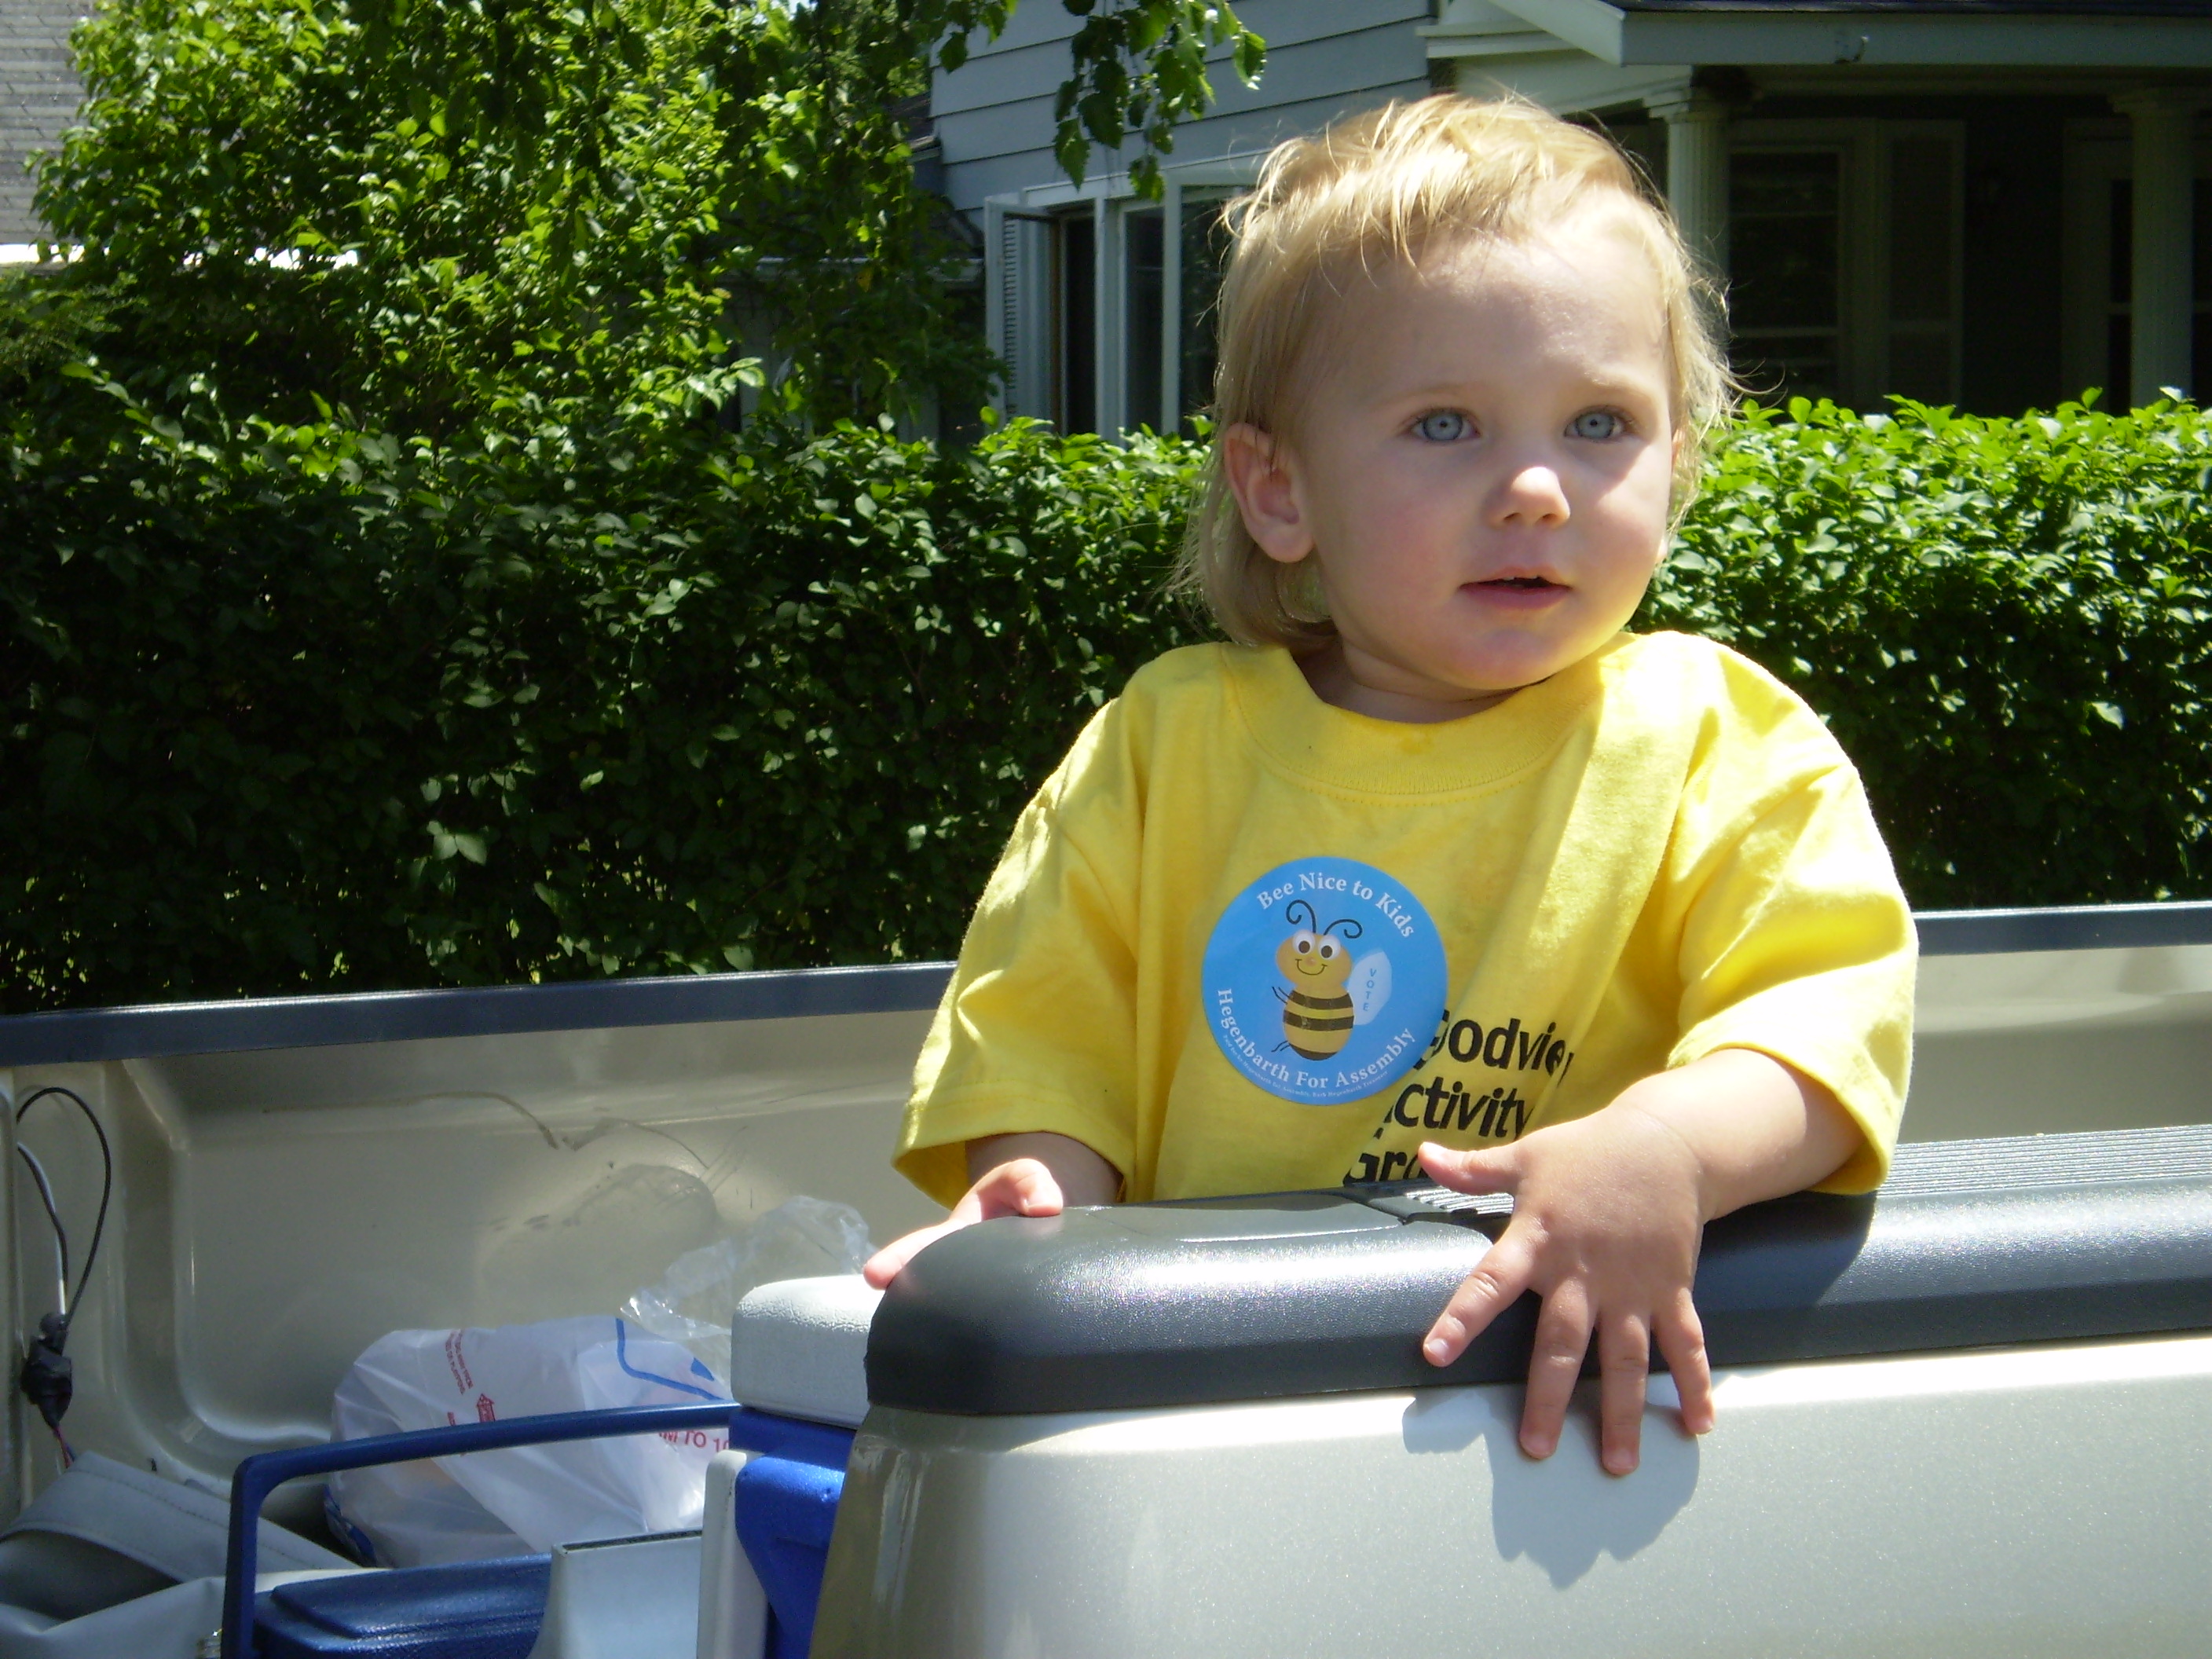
(2150, 35)
(2081, 7)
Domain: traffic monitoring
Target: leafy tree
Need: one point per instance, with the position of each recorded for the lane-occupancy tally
(438, 214)
(382, 574)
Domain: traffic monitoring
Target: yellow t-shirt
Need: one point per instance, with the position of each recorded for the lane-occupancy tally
(1657, 853)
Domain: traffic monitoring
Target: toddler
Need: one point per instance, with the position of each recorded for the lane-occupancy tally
(1435, 869)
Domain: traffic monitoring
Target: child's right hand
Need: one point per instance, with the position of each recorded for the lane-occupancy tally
(1032, 1174)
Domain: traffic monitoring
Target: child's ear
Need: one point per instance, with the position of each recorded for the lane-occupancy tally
(1261, 474)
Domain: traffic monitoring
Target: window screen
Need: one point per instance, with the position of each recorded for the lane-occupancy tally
(1143, 313)
(1785, 287)
(1924, 302)
(1205, 258)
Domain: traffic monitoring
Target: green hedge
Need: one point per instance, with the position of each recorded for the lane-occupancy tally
(303, 709)
(299, 707)
(2008, 623)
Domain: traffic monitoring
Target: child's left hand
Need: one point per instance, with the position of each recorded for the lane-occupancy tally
(1608, 1212)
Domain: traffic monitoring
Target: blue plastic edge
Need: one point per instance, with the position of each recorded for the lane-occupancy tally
(92, 1034)
(787, 1509)
(259, 1475)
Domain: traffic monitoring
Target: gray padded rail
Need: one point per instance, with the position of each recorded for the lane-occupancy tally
(1976, 1243)
(202, 1028)
(2063, 927)
(2042, 1162)
(113, 1034)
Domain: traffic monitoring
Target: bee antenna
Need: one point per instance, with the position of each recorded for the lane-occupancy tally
(1292, 908)
(1352, 929)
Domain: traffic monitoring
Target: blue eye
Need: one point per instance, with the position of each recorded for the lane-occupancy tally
(1597, 424)
(1445, 426)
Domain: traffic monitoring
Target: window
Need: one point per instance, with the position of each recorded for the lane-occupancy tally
(2100, 261)
(1045, 293)
(2119, 309)
(1144, 289)
(1204, 260)
(1785, 271)
(1844, 260)
(1102, 306)
(1075, 323)
(1844, 257)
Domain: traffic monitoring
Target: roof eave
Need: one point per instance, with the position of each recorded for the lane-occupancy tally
(1885, 39)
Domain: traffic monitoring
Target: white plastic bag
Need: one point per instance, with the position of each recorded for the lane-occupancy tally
(801, 1238)
(524, 1498)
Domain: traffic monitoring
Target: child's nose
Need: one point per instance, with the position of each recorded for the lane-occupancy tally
(1532, 494)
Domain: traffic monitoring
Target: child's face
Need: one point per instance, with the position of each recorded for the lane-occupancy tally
(1482, 467)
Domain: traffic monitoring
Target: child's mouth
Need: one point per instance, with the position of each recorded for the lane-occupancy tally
(1518, 591)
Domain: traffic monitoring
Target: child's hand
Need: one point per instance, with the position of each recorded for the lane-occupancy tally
(1037, 1174)
(1608, 1212)
(1605, 1227)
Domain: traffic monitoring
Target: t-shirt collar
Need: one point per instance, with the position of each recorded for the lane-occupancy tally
(1321, 743)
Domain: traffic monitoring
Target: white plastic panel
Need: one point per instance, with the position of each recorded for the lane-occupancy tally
(2008, 1504)
(800, 1348)
(276, 1212)
(2033, 1042)
(732, 1606)
(623, 1598)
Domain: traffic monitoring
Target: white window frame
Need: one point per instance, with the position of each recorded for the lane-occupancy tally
(2099, 150)
(1016, 337)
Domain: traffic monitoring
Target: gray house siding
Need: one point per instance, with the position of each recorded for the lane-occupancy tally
(39, 98)
(994, 116)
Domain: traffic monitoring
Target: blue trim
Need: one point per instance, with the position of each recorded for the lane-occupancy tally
(621, 1358)
(261, 1475)
(787, 1508)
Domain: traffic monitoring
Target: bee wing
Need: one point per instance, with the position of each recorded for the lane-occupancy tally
(1369, 986)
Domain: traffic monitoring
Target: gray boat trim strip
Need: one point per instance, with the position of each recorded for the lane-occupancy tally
(93, 1035)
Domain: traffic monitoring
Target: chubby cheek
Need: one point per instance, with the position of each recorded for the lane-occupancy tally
(1637, 508)
(1400, 542)
(1630, 540)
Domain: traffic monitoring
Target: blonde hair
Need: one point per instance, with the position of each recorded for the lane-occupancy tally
(1378, 190)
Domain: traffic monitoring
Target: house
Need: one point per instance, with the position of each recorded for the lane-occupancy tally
(1994, 203)
(38, 98)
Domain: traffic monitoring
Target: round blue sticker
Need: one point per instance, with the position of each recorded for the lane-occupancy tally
(1324, 979)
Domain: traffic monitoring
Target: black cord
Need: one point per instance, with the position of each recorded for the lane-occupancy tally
(46, 1378)
(106, 1183)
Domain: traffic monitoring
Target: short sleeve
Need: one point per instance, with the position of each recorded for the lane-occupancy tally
(1037, 1029)
(1796, 939)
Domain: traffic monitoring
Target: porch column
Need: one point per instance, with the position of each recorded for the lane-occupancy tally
(2162, 301)
(1698, 173)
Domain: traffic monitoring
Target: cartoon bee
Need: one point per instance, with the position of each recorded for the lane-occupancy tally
(1318, 1010)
